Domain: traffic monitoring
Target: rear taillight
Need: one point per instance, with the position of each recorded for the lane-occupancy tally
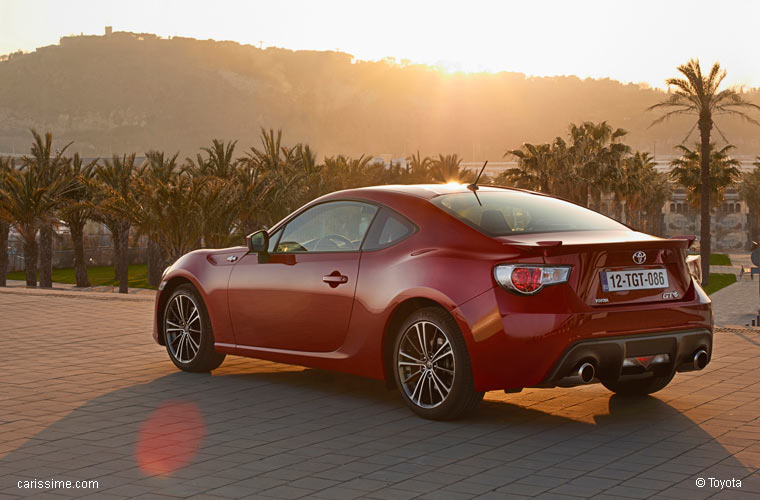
(528, 279)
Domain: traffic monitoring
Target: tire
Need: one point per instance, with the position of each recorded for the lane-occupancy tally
(187, 331)
(421, 382)
(640, 387)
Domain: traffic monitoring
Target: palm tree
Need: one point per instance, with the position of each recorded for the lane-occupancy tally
(419, 168)
(628, 196)
(750, 192)
(637, 172)
(687, 171)
(167, 210)
(219, 161)
(270, 157)
(219, 205)
(645, 190)
(78, 210)
(255, 194)
(347, 172)
(596, 153)
(697, 95)
(30, 201)
(48, 166)
(446, 169)
(275, 166)
(115, 195)
(6, 165)
(159, 169)
(658, 191)
(536, 170)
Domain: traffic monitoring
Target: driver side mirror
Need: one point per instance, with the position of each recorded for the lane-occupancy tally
(258, 242)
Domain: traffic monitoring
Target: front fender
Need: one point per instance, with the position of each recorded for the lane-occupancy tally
(210, 281)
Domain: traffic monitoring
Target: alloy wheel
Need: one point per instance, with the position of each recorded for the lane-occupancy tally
(182, 324)
(426, 364)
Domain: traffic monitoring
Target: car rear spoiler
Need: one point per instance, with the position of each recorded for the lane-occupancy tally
(690, 237)
(551, 248)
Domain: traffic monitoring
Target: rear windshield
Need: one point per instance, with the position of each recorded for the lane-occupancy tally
(501, 213)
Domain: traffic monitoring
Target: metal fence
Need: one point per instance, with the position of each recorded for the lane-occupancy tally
(100, 255)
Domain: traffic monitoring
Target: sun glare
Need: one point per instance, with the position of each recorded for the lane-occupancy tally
(169, 438)
(481, 36)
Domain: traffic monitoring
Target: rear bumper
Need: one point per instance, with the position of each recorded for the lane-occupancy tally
(608, 355)
(527, 341)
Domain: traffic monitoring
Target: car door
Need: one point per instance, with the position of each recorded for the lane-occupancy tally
(300, 298)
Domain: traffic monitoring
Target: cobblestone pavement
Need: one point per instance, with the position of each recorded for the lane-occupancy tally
(87, 395)
(737, 304)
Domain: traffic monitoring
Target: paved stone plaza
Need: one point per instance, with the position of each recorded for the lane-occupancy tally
(87, 395)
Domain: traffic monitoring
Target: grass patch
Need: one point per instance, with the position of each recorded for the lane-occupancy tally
(718, 281)
(99, 276)
(719, 259)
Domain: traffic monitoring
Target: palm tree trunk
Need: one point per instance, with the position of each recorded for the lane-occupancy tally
(585, 196)
(705, 126)
(156, 263)
(116, 239)
(30, 259)
(124, 258)
(46, 256)
(4, 230)
(80, 267)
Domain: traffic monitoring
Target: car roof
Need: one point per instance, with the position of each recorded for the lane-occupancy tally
(429, 191)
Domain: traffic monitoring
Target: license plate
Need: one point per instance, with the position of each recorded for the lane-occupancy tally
(634, 279)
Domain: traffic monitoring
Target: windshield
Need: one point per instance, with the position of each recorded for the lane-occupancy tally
(507, 212)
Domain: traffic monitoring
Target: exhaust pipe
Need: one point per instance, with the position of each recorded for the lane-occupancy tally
(583, 375)
(587, 371)
(700, 359)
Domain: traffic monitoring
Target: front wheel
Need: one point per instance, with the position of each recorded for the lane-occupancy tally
(639, 387)
(187, 332)
(432, 368)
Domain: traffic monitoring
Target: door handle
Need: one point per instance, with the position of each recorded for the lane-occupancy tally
(334, 279)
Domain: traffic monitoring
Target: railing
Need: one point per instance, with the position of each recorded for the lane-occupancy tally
(100, 256)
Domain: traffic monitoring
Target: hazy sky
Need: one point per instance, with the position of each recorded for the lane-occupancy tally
(638, 41)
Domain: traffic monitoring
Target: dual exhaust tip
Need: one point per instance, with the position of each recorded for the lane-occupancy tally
(700, 359)
(584, 374)
(587, 371)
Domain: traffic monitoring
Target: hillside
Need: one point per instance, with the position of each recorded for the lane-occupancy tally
(132, 92)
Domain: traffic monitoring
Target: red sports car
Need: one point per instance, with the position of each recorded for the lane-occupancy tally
(445, 292)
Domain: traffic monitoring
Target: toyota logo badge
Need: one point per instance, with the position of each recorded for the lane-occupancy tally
(639, 257)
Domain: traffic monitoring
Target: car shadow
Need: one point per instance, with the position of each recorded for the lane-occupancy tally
(254, 428)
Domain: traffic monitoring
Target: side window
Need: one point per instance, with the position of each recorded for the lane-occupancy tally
(387, 229)
(273, 239)
(337, 226)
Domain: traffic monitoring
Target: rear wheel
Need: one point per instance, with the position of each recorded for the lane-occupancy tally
(187, 332)
(432, 368)
(639, 387)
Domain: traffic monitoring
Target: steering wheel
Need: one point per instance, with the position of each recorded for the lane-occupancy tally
(336, 240)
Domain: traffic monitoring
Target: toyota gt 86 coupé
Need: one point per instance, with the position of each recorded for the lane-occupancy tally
(445, 292)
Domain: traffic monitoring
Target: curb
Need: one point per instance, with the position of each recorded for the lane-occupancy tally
(75, 294)
(734, 328)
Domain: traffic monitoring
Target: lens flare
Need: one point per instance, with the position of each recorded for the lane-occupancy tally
(169, 438)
